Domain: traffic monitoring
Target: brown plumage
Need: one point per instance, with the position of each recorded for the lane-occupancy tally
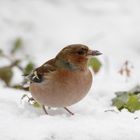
(64, 80)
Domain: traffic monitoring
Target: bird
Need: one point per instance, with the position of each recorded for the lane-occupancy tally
(64, 80)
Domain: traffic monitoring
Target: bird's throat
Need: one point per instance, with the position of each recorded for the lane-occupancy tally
(67, 65)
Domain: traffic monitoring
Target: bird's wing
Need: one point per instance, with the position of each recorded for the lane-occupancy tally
(38, 74)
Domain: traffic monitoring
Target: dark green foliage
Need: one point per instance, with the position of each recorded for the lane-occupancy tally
(129, 100)
(95, 64)
(6, 74)
(17, 45)
(28, 68)
(133, 103)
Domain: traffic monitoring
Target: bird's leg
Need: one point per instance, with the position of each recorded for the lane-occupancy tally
(68, 111)
(43, 107)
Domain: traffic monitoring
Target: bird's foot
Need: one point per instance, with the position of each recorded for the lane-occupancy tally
(68, 111)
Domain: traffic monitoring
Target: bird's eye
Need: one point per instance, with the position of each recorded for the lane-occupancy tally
(81, 51)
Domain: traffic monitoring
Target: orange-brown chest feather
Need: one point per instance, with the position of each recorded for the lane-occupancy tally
(62, 88)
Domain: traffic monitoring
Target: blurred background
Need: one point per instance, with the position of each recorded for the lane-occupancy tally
(44, 27)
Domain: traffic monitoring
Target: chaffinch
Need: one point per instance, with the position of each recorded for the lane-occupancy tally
(63, 80)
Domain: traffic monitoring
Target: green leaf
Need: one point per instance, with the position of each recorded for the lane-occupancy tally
(6, 75)
(28, 68)
(133, 103)
(95, 64)
(129, 100)
(17, 45)
(120, 100)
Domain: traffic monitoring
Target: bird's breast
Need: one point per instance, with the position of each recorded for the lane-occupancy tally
(62, 88)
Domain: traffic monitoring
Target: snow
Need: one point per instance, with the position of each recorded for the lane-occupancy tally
(111, 26)
(22, 121)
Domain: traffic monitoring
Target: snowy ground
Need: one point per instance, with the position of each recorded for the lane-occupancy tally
(46, 26)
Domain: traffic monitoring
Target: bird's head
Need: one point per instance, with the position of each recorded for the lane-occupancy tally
(75, 56)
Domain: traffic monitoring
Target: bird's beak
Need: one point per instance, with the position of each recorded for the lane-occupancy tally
(94, 53)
